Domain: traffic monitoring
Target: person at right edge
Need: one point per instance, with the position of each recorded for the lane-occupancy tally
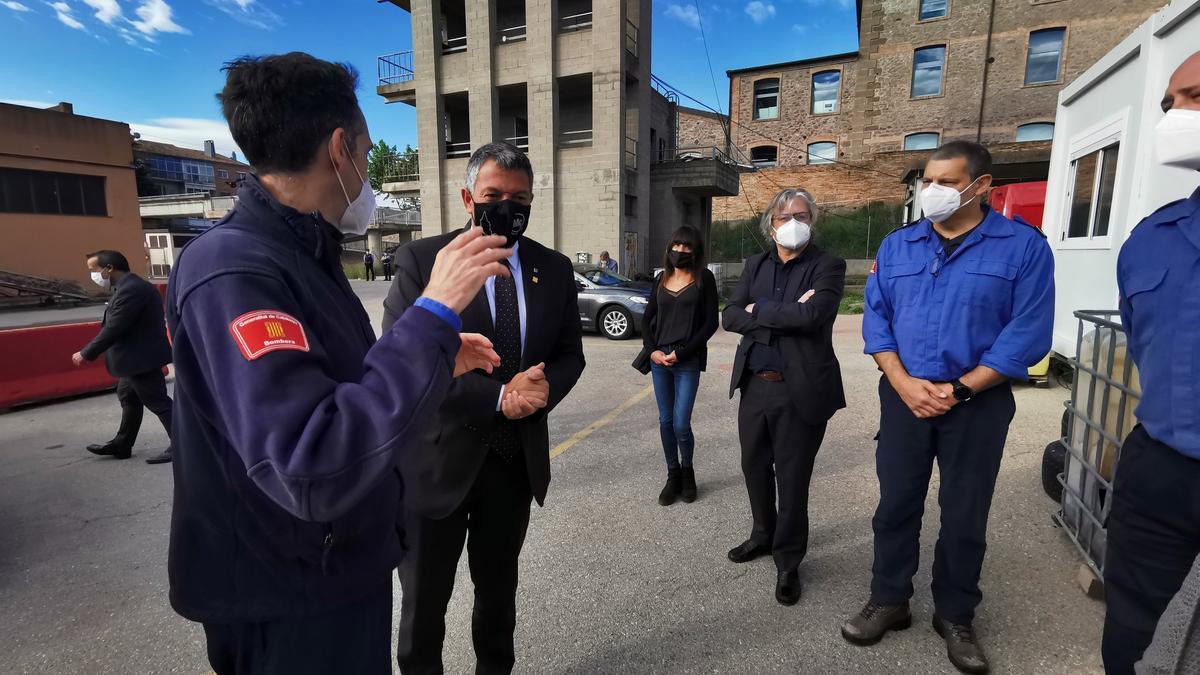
(958, 304)
(784, 306)
(1154, 524)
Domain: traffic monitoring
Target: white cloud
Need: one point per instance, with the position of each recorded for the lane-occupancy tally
(685, 13)
(760, 12)
(28, 103)
(106, 10)
(15, 6)
(63, 11)
(188, 132)
(249, 12)
(155, 17)
(800, 28)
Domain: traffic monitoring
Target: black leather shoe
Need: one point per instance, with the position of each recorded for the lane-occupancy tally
(874, 620)
(670, 491)
(687, 488)
(113, 450)
(161, 458)
(962, 649)
(748, 550)
(787, 587)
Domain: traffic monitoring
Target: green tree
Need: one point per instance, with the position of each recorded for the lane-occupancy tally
(381, 163)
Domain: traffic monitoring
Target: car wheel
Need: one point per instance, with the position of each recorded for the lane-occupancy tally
(616, 324)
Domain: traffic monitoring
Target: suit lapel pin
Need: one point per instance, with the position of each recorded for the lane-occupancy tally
(534, 279)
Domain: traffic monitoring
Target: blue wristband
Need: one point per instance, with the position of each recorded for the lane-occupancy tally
(441, 311)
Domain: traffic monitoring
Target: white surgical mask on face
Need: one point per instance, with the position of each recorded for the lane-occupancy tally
(360, 211)
(98, 278)
(1177, 138)
(793, 234)
(939, 202)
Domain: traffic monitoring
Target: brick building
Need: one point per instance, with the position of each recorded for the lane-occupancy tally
(568, 82)
(165, 169)
(926, 72)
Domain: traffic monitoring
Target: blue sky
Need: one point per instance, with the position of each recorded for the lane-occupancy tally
(156, 63)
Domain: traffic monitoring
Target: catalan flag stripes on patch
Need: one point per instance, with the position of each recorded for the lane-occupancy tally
(264, 331)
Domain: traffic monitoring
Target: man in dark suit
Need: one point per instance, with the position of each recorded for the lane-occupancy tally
(133, 339)
(479, 463)
(784, 306)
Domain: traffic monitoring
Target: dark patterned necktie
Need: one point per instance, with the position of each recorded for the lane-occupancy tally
(504, 441)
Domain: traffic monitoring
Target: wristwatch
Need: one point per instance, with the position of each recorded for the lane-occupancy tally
(962, 393)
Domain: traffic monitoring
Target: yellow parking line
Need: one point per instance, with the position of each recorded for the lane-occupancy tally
(602, 422)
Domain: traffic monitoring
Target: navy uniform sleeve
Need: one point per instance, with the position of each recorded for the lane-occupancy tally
(1026, 338)
(877, 310)
(315, 445)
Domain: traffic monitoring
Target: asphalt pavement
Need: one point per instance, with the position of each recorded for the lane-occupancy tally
(610, 581)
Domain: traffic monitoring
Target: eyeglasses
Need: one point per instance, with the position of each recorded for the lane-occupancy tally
(801, 216)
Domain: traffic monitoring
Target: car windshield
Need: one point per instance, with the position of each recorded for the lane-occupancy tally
(605, 278)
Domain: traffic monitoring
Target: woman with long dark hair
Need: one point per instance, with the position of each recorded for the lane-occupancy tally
(681, 316)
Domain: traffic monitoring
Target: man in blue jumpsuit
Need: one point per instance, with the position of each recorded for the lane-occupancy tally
(290, 418)
(957, 304)
(1154, 524)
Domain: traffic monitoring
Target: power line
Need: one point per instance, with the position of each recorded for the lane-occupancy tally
(712, 76)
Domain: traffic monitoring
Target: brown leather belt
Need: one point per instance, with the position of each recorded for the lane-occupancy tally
(770, 376)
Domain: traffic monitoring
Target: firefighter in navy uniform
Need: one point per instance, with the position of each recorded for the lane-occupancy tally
(957, 305)
(291, 418)
(1154, 523)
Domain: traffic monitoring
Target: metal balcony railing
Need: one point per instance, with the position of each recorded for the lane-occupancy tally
(574, 22)
(689, 152)
(577, 137)
(522, 142)
(454, 45)
(395, 68)
(513, 34)
(401, 169)
(454, 150)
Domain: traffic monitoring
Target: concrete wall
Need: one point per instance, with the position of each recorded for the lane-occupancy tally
(53, 246)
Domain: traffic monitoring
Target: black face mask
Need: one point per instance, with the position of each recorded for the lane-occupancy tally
(506, 218)
(681, 259)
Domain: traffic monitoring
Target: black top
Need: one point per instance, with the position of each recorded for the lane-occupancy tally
(676, 311)
(133, 336)
(951, 245)
(767, 357)
(705, 317)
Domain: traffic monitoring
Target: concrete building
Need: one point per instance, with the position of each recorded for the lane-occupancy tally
(569, 82)
(67, 188)
(165, 169)
(926, 72)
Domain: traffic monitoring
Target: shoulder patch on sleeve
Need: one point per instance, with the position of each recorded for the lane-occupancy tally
(264, 331)
(874, 266)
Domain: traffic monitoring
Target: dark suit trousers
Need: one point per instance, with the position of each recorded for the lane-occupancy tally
(147, 389)
(968, 444)
(353, 639)
(493, 520)
(1153, 539)
(778, 452)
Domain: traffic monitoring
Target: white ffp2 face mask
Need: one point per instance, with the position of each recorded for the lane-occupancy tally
(939, 202)
(793, 234)
(1177, 138)
(99, 280)
(360, 211)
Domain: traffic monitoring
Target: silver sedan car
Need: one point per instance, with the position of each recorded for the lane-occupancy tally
(610, 303)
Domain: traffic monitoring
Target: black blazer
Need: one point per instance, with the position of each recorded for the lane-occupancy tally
(442, 467)
(133, 333)
(803, 331)
(704, 324)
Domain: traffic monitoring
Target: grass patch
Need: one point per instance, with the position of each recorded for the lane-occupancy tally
(852, 303)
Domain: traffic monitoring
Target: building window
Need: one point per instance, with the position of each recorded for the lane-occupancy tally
(826, 89)
(222, 173)
(766, 99)
(574, 15)
(630, 205)
(764, 156)
(1044, 61)
(929, 67)
(822, 153)
(456, 125)
(1093, 184)
(934, 9)
(575, 110)
(48, 193)
(926, 140)
(1038, 131)
(241, 175)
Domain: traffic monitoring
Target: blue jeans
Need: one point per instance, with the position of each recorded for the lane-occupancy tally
(675, 389)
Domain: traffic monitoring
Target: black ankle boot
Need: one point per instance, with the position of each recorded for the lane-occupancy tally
(687, 489)
(671, 490)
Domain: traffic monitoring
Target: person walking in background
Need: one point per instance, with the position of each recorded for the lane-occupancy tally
(369, 266)
(1154, 524)
(133, 340)
(387, 265)
(784, 307)
(681, 315)
(607, 263)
